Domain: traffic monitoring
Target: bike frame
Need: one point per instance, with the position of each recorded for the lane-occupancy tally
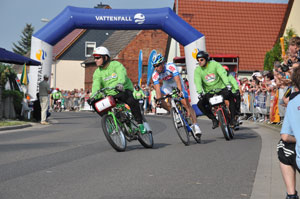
(116, 120)
(173, 103)
(220, 107)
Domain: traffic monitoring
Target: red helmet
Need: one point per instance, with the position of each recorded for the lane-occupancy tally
(226, 68)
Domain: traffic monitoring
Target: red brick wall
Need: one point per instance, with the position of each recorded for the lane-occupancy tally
(146, 40)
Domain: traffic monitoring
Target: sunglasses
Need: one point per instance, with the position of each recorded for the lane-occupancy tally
(156, 65)
(99, 57)
(201, 59)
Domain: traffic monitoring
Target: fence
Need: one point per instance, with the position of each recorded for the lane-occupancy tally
(262, 106)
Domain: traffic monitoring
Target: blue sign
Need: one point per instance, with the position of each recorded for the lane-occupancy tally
(140, 68)
(150, 66)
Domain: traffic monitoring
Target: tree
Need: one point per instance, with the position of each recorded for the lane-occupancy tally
(23, 46)
(275, 53)
(7, 74)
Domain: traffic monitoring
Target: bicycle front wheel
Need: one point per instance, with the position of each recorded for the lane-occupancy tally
(224, 125)
(180, 126)
(146, 139)
(113, 133)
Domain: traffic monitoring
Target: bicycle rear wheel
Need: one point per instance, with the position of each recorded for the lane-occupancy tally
(180, 126)
(113, 133)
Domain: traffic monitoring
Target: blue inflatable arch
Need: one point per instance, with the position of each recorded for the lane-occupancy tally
(115, 19)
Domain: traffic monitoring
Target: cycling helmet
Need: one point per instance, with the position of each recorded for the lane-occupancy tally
(137, 87)
(157, 59)
(202, 54)
(101, 50)
(226, 68)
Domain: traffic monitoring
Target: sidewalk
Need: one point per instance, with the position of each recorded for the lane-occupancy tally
(268, 183)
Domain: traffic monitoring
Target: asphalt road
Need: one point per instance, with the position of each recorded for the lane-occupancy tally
(72, 159)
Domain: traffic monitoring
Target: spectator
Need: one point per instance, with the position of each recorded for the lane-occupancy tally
(289, 146)
(44, 91)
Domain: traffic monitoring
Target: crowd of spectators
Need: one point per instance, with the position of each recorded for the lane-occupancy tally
(266, 94)
(73, 100)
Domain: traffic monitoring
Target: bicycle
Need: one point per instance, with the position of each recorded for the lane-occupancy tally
(57, 106)
(118, 123)
(221, 111)
(181, 122)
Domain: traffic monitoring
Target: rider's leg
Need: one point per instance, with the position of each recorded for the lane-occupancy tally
(228, 96)
(166, 105)
(127, 97)
(191, 113)
(204, 107)
(237, 98)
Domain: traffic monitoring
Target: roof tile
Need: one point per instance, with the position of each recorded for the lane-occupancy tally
(246, 29)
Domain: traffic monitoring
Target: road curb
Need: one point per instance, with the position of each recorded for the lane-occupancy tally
(5, 128)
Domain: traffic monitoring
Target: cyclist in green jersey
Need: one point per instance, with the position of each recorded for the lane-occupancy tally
(139, 95)
(56, 96)
(235, 91)
(112, 73)
(209, 76)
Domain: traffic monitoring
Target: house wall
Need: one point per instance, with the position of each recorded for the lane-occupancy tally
(293, 21)
(69, 75)
(77, 50)
(146, 40)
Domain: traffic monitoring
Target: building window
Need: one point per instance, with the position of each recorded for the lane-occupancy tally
(145, 69)
(89, 48)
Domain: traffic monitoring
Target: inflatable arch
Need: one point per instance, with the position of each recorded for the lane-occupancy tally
(116, 19)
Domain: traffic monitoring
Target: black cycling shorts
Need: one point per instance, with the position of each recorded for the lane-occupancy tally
(287, 154)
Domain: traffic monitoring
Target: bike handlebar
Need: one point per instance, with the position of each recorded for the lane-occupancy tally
(102, 90)
(175, 91)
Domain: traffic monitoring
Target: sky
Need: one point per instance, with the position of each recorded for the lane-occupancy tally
(14, 14)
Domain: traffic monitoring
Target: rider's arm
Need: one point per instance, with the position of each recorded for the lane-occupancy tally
(233, 83)
(222, 74)
(155, 79)
(198, 80)
(157, 91)
(121, 72)
(96, 82)
(134, 94)
(178, 82)
(143, 94)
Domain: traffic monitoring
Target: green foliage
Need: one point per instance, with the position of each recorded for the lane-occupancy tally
(17, 98)
(6, 72)
(275, 53)
(23, 46)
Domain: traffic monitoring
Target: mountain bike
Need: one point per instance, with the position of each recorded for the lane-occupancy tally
(221, 111)
(118, 124)
(181, 121)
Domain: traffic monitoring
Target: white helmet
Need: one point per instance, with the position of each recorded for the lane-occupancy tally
(101, 50)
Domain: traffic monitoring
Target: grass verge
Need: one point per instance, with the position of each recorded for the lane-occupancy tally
(11, 123)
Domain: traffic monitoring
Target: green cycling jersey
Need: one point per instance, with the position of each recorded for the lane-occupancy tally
(57, 95)
(233, 83)
(212, 76)
(138, 94)
(115, 73)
